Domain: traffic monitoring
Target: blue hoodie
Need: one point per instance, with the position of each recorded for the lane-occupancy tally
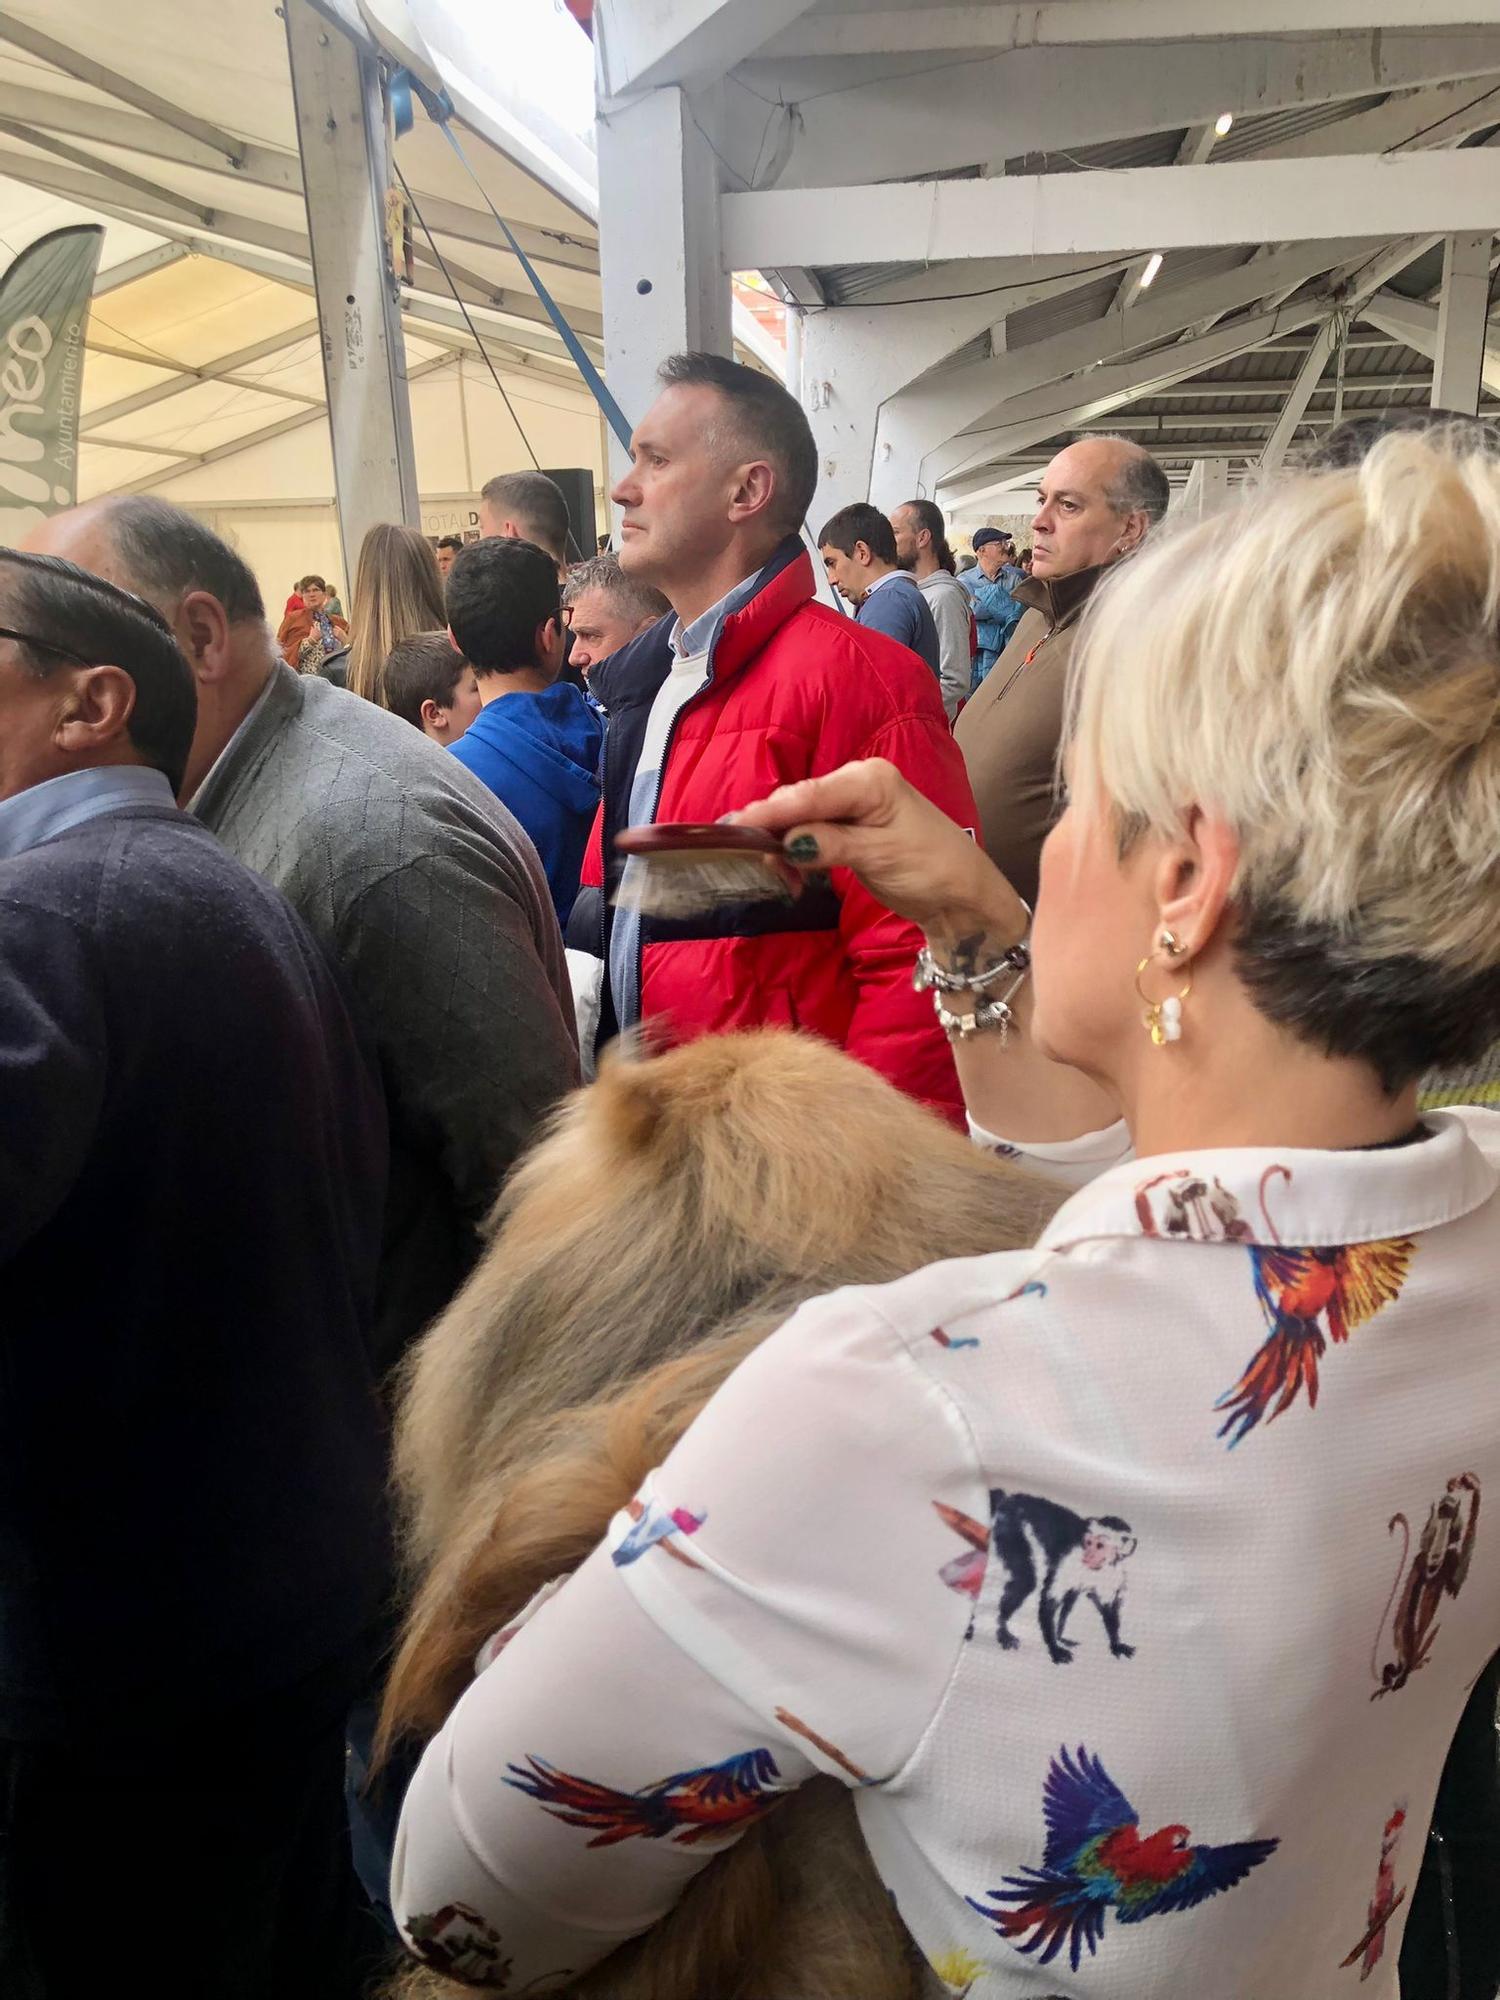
(539, 755)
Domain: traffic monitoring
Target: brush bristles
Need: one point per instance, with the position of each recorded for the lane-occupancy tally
(680, 884)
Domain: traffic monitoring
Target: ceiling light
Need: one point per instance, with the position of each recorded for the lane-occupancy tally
(1223, 122)
(1153, 265)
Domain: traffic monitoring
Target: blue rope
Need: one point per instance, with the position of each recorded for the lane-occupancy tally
(439, 108)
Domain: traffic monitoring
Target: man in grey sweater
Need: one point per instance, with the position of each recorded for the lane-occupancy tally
(411, 872)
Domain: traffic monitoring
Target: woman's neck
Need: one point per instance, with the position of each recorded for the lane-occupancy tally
(1274, 1092)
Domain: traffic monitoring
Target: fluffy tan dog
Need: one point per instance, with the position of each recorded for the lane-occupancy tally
(677, 1213)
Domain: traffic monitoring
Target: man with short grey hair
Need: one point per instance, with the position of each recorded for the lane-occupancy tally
(409, 871)
(605, 608)
(1096, 502)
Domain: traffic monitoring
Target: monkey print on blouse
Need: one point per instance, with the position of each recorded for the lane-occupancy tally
(1385, 1902)
(694, 1806)
(1039, 1541)
(459, 1942)
(1436, 1571)
(1095, 1860)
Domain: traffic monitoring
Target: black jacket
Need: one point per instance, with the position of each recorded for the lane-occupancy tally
(192, 1173)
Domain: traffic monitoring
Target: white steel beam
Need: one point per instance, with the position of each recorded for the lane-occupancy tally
(140, 266)
(1207, 489)
(997, 29)
(231, 446)
(1069, 405)
(643, 43)
(925, 424)
(269, 167)
(339, 101)
(1462, 328)
(111, 196)
(77, 156)
(21, 35)
(856, 357)
(875, 119)
(1309, 375)
(225, 369)
(1103, 212)
(1415, 325)
(666, 287)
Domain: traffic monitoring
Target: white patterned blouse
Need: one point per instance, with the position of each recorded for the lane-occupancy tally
(1134, 1583)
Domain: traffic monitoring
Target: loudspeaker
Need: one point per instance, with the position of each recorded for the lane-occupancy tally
(577, 483)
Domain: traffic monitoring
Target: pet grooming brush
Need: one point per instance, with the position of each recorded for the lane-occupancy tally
(683, 870)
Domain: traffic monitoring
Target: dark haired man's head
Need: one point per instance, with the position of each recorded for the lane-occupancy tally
(97, 679)
(859, 547)
(723, 468)
(504, 607)
(526, 507)
(204, 590)
(448, 546)
(430, 684)
(922, 538)
(1352, 441)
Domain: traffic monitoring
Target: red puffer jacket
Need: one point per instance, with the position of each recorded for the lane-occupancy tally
(794, 690)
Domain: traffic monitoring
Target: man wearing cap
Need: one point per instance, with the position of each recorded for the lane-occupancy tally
(989, 583)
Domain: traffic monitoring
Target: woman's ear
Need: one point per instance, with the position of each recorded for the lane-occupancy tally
(1195, 879)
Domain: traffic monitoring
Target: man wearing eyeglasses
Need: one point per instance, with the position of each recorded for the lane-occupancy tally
(193, 1548)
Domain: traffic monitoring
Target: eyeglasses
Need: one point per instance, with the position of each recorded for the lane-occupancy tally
(46, 646)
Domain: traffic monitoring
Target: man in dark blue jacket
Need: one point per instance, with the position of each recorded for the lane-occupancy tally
(536, 739)
(193, 1548)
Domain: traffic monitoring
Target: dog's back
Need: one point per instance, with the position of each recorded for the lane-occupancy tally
(676, 1213)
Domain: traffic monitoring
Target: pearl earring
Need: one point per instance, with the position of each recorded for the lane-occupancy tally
(1163, 1018)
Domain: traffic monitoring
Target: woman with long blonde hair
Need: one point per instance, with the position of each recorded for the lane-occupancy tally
(397, 591)
(1133, 1584)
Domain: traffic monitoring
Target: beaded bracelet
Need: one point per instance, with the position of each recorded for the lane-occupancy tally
(988, 1014)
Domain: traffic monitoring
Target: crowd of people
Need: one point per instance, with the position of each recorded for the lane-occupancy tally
(1161, 866)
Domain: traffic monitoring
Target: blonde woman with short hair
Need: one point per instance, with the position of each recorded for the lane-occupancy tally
(397, 592)
(1133, 1583)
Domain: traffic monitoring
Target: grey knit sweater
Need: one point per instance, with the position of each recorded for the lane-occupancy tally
(430, 896)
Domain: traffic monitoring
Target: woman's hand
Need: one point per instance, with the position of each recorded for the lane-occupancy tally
(867, 818)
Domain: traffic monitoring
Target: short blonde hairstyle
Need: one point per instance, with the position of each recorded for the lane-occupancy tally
(1321, 669)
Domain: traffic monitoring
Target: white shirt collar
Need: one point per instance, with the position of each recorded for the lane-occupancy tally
(1289, 1196)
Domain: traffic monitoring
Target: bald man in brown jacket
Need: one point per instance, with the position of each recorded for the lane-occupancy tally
(1096, 502)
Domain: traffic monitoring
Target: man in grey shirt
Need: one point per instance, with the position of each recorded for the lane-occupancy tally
(410, 871)
(858, 547)
(923, 552)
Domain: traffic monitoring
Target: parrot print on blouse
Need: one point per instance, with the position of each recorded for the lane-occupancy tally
(1308, 1295)
(1096, 1861)
(693, 1806)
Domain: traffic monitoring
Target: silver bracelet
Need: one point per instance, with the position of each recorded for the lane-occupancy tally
(988, 1014)
(930, 977)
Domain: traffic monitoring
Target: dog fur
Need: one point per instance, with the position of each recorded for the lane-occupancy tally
(675, 1214)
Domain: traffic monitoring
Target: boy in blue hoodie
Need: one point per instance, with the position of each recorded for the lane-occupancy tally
(536, 740)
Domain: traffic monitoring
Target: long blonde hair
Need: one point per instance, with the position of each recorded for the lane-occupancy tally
(397, 591)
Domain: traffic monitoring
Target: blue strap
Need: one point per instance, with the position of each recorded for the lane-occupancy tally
(439, 108)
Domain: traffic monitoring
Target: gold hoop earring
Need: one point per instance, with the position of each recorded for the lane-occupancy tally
(1163, 1018)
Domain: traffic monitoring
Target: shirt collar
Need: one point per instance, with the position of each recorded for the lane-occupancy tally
(889, 575)
(57, 804)
(1059, 598)
(225, 760)
(690, 641)
(1287, 1195)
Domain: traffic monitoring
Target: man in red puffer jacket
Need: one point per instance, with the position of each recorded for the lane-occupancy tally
(749, 684)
